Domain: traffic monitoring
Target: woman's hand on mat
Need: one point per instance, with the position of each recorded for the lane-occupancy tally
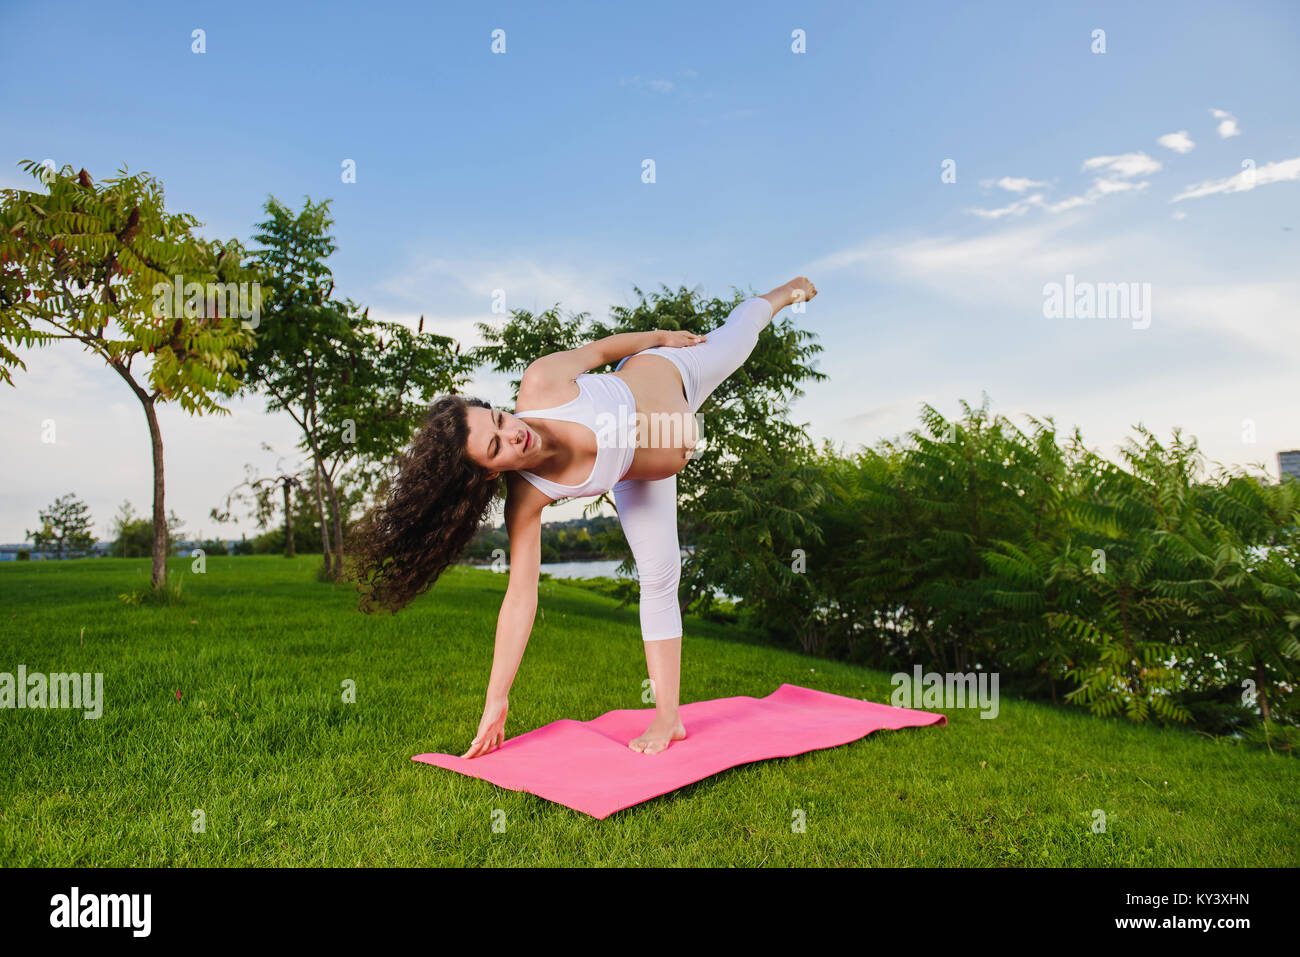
(491, 728)
(679, 339)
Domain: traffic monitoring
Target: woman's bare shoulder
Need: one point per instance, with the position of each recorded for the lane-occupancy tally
(538, 390)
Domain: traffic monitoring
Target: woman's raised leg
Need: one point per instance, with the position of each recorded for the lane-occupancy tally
(723, 351)
(706, 365)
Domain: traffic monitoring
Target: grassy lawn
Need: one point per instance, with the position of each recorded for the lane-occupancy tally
(287, 774)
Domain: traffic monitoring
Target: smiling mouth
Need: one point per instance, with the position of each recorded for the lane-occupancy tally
(528, 439)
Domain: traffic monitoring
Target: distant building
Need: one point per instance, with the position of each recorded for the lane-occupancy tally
(1288, 463)
(9, 553)
(48, 553)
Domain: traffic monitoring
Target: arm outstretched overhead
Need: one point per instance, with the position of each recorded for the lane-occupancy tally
(573, 362)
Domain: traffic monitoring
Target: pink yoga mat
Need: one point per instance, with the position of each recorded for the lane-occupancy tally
(587, 765)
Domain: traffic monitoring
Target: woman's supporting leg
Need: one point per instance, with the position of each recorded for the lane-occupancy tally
(663, 661)
(647, 512)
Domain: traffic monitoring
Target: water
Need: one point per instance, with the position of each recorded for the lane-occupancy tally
(600, 569)
(596, 569)
(591, 569)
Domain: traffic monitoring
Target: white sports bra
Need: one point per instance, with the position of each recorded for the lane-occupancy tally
(605, 405)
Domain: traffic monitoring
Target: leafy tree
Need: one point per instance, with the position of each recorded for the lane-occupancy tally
(1245, 552)
(66, 525)
(1153, 593)
(265, 496)
(97, 264)
(1125, 568)
(357, 388)
(133, 537)
(214, 546)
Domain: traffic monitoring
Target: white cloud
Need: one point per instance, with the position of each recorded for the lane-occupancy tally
(1179, 142)
(1227, 123)
(1105, 186)
(1018, 208)
(1117, 171)
(1125, 165)
(1070, 203)
(1006, 265)
(1018, 184)
(1100, 187)
(1280, 172)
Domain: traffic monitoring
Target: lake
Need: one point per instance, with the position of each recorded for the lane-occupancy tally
(596, 569)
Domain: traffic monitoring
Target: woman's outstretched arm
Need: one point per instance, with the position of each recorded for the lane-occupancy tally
(524, 505)
(574, 362)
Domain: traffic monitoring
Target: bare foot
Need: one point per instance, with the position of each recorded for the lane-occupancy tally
(661, 733)
(799, 289)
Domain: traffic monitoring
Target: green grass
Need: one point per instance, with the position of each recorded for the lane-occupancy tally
(287, 774)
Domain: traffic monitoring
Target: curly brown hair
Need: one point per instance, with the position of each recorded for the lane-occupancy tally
(426, 514)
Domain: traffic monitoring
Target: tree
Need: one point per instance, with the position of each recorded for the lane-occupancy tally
(356, 387)
(66, 524)
(133, 537)
(1245, 550)
(105, 265)
(124, 524)
(261, 493)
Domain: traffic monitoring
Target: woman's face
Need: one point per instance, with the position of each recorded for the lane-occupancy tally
(500, 442)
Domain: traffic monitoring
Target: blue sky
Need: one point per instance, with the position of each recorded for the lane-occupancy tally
(522, 171)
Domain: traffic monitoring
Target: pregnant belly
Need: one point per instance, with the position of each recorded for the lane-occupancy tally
(666, 428)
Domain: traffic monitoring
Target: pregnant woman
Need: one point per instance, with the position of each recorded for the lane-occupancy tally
(572, 435)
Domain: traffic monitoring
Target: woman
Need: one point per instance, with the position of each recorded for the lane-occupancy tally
(572, 435)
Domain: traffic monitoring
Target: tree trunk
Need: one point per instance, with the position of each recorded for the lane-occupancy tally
(288, 523)
(159, 578)
(691, 596)
(159, 515)
(320, 514)
(1261, 684)
(336, 568)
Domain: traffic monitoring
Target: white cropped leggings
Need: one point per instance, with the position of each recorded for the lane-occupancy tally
(647, 510)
